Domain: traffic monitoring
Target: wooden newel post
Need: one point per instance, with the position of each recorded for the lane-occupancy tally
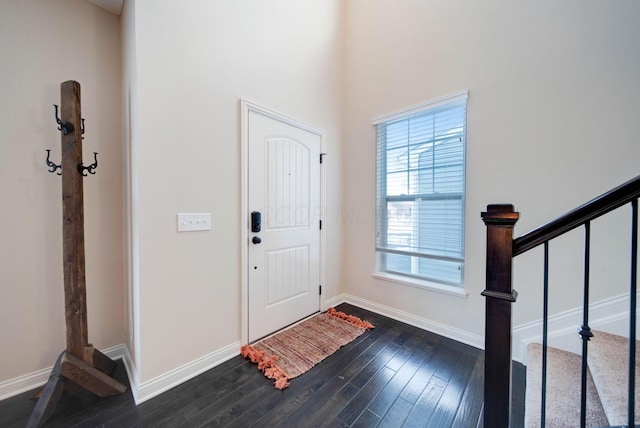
(500, 220)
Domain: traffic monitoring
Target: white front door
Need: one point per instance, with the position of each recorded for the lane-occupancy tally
(284, 255)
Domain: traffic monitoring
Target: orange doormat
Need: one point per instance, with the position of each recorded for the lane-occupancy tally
(294, 351)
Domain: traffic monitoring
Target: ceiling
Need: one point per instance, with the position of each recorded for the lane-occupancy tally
(113, 6)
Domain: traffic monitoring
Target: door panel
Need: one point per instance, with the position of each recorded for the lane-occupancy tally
(287, 183)
(284, 186)
(287, 270)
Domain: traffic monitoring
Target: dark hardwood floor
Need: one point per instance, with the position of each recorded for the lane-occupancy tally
(393, 376)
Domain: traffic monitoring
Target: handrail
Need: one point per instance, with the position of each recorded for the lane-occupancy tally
(597, 207)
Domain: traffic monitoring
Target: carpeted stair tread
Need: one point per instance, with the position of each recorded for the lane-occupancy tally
(563, 390)
(608, 362)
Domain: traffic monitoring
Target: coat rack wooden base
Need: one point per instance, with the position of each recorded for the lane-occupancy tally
(80, 364)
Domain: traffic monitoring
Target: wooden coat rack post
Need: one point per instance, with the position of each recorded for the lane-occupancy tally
(80, 363)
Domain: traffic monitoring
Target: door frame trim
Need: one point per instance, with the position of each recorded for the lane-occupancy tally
(246, 107)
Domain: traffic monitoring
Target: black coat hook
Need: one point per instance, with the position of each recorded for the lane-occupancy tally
(91, 169)
(65, 127)
(52, 166)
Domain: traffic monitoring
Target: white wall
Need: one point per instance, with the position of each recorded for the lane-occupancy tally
(42, 44)
(552, 122)
(194, 61)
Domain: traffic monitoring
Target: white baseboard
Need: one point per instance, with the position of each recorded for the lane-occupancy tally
(609, 315)
(33, 380)
(334, 301)
(141, 392)
(130, 367)
(18, 385)
(416, 321)
(175, 377)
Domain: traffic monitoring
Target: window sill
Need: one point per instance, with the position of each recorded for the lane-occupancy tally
(422, 284)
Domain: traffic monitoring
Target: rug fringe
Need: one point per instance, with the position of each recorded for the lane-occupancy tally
(267, 365)
(350, 319)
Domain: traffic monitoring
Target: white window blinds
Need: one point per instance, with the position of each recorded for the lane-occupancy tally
(421, 190)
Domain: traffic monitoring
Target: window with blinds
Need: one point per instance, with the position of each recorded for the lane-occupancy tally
(421, 190)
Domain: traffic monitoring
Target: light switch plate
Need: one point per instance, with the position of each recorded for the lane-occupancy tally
(191, 222)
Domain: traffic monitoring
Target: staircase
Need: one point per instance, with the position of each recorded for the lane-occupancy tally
(597, 388)
(607, 380)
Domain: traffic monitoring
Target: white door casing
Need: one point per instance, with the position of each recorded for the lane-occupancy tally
(283, 185)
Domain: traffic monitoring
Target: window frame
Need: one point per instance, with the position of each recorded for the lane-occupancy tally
(382, 197)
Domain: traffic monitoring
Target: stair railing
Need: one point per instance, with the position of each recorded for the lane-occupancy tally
(501, 248)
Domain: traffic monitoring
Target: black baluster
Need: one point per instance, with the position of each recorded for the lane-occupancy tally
(632, 313)
(585, 331)
(545, 327)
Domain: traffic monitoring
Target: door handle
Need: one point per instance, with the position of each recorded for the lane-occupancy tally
(256, 240)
